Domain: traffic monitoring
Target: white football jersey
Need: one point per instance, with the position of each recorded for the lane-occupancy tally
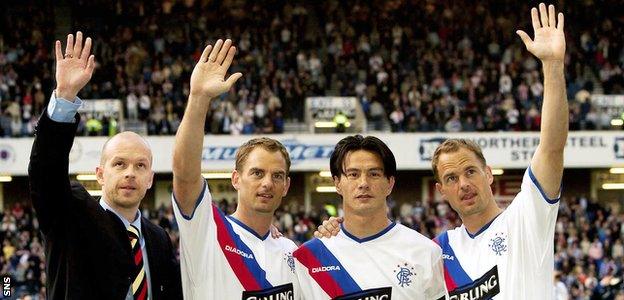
(509, 258)
(222, 258)
(397, 263)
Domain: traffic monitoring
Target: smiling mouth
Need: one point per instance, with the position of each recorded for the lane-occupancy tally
(265, 196)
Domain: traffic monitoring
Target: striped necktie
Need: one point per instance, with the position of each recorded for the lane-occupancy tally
(139, 282)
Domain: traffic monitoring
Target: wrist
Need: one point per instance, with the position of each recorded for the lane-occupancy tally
(552, 65)
(199, 102)
(66, 94)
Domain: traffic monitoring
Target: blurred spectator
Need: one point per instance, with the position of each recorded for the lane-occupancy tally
(412, 64)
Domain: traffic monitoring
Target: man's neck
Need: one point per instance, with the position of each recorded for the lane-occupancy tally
(362, 226)
(258, 222)
(475, 222)
(130, 214)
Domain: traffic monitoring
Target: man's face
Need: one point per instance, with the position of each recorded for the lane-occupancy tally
(465, 182)
(262, 182)
(363, 185)
(125, 172)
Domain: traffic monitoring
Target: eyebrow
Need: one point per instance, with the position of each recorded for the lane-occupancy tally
(255, 169)
(142, 159)
(453, 173)
(367, 170)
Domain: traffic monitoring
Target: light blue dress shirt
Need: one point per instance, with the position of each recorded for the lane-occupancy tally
(63, 110)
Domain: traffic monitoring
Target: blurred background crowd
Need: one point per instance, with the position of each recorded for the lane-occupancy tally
(418, 65)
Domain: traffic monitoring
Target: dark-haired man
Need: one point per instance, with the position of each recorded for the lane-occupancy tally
(371, 256)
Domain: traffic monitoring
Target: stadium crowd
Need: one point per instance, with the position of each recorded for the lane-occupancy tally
(418, 65)
(589, 241)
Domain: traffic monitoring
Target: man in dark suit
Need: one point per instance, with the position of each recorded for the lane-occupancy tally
(105, 249)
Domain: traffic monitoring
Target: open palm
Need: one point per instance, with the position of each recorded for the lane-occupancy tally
(549, 43)
(208, 77)
(74, 69)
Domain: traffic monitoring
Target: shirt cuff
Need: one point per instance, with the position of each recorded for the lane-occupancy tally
(62, 110)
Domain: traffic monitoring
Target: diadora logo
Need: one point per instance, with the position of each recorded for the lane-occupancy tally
(404, 274)
(448, 257)
(239, 252)
(498, 244)
(325, 269)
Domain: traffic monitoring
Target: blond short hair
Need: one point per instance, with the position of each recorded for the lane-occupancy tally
(453, 145)
(265, 143)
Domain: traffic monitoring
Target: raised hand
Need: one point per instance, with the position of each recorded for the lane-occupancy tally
(549, 43)
(208, 77)
(74, 69)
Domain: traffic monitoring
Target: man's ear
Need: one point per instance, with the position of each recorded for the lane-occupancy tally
(337, 185)
(235, 179)
(99, 175)
(439, 188)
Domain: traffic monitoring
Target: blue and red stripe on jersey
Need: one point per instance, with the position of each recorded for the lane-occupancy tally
(251, 276)
(454, 274)
(335, 282)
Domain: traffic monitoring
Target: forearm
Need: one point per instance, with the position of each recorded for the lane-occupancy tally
(547, 163)
(554, 126)
(188, 146)
(48, 169)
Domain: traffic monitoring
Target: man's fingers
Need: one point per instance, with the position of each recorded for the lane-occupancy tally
(57, 50)
(560, 22)
(525, 38)
(551, 16)
(224, 51)
(232, 79)
(215, 51)
(91, 64)
(70, 45)
(86, 51)
(229, 58)
(205, 54)
(535, 20)
(543, 14)
(78, 45)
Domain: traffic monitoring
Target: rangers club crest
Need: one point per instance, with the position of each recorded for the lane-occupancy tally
(498, 244)
(404, 274)
(290, 261)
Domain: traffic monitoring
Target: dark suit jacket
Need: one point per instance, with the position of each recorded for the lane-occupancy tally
(88, 254)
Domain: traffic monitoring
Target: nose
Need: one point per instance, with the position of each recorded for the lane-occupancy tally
(363, 182)
(267, 181)
(129, 173)
(464, 183)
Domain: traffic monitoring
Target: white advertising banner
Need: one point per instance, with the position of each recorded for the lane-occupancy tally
(311, 152)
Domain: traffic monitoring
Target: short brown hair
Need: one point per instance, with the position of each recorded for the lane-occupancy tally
(453, 145)
(265, 143)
